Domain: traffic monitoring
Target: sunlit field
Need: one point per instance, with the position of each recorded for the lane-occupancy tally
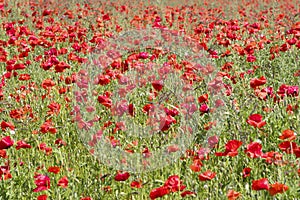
(143, 100)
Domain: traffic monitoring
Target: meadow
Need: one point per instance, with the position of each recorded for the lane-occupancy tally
(142, 100)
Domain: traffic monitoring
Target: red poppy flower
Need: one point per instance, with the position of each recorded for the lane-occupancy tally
(297, 73)
(288, 134)
(268, 91)
(251, 58)
(293, 91)
(146, 153)
(17, 113)
(206, 176)
(5, 173)
(256, 82)
(277, 188)
(173, 112)
(47, 12)
(143, 55)
(21, 144)
(43, 147)
(19, 66)
(261, 94)
(158, 85)
(204, 108)
(231, 148)
(292, 41)
(246, 172)
(166, 122)
(54, 169)
(136, 184)
(42, 197)
(24, 77)
(232, 195)
(5, 125)
(260, 184)
(174, 184)
(272, 157)
(131, 109)
(290, 109)
(122, 176)
(63, 182)
(159, 192)
(54, 108)
(148, 107)
(203, 98)
(42, 182)
(47, 84)
(102, 80)
(255, 120)
(187, 193)
(213, 141)
(6, 142)
(61, 66)
(203, 153)
(288, 146)
(105, 101)
(297, 152)
(172, 148)
(48, 127)
(254, 150)
(196, 166)
(59, 142)
(3, 153)
(288, 90)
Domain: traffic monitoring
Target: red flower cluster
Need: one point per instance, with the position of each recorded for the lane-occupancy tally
(172, 184)
(273, 189)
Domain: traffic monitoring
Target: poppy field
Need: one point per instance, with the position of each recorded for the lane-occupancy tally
(142, 100)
